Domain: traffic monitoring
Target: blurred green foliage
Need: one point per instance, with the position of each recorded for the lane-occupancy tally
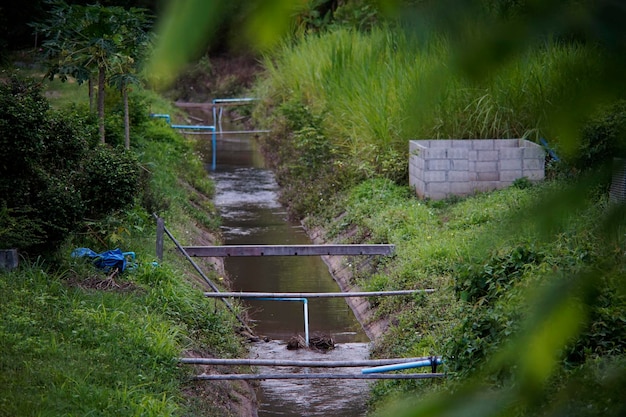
(535, 326)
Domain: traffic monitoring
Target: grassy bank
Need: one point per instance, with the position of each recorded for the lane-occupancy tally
(530, 291)
(75, 340)
(373, 91)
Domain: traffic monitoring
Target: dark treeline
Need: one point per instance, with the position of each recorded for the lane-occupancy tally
(15, 32)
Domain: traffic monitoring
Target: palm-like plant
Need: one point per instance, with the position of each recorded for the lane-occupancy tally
(85, 40)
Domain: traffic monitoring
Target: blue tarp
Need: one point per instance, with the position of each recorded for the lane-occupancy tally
(106, 260)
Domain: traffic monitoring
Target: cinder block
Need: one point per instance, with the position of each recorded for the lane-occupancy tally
(510, 176)
(441, 143)
(458, 176)
(506, 143)
(460, 188)
(482, 144)
(419, 192)
(416, 162)
(534, 164)
(532, 150)
(458, 153)
(459, 164)
(436, 196)
(482, 186)
(438, 188)
(435, 176)
(435, 153)
(489, 176)
(438, 164)
(486, 166)
(472, 155)
(461, 144)
(488, 155)
(415, 146)
(511, 153)
(510, 164)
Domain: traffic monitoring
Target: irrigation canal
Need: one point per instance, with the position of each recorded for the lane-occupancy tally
(246, 196)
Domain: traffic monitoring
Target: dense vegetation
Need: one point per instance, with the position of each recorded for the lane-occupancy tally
(77, 340)
(530, 300)
(530, 305)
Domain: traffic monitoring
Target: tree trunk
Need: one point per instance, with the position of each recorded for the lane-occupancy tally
(101, 80)
(90, 87)
(126, 117)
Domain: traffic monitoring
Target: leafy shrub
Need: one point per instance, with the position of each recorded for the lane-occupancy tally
(362, 14)
(603, 138)
(37, 193)
(486, 282)
(320, 15)
(114, 128)
(109, 180)
(49, 180)
(605, 334)
(487, 322)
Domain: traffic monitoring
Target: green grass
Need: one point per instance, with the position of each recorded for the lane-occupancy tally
(68, 351)
(493, 245)
(72, 349)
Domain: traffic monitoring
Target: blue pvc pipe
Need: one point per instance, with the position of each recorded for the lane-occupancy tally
(161, 116)
(232, 100)
(400, 366)
(550, 150)
(194, 127)
(213, 139)
(213, 149)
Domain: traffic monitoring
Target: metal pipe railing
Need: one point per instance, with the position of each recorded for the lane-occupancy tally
(202, 274)
(299, 363)
(230, 377)
(270, 295)
(432, 362)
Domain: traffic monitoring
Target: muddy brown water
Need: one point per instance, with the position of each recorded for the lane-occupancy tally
(247, 199)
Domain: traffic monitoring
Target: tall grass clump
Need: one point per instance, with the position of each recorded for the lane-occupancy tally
(375, 91)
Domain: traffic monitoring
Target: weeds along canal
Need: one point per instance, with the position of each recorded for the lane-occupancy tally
(247, 200)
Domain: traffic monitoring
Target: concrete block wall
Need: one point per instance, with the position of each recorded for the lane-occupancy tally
(439, 168)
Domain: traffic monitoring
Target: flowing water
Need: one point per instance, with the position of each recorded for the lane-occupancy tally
(246, 196)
